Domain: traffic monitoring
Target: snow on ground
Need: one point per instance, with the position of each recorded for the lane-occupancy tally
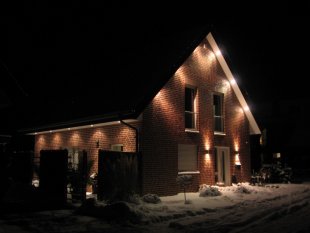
(243, 208)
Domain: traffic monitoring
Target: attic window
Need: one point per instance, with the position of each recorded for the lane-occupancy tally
(190, 108)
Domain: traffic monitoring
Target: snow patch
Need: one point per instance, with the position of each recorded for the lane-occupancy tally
(240, 208)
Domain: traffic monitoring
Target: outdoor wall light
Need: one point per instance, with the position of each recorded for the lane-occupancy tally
(207, 152)
(237, 159)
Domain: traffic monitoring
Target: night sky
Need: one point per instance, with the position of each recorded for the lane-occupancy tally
(73, 56)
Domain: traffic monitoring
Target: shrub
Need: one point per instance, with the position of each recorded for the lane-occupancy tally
(242, 189)
(151, 198)
(208, 190)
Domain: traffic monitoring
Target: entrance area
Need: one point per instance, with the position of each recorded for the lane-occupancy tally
(222, 167)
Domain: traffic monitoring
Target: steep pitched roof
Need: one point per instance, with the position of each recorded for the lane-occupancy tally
(134, 67)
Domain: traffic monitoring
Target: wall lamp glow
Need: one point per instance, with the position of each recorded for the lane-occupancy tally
(237, 159)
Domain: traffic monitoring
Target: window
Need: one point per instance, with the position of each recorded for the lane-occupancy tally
(218, 113)
(117, 147)
(73, 158)
(190, 110)
(187, 157)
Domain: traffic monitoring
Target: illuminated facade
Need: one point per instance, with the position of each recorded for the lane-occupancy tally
(198, 124)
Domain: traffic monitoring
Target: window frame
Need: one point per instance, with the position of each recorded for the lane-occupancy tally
(221, 116)
(194, 112)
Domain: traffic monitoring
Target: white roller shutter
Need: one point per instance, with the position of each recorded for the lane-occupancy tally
(187, 157)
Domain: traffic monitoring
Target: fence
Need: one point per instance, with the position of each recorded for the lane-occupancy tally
(119, 174)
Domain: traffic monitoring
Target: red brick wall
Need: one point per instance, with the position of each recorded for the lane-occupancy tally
(163, 126)
(85, 139)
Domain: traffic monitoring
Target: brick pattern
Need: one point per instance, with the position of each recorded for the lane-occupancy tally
(162, 128)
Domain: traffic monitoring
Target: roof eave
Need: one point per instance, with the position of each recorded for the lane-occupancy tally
(81, 122)
(254, 129)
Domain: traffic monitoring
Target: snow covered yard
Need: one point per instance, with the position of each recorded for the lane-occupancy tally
(242, 208)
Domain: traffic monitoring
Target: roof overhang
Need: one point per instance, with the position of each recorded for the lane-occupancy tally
(84, 123)
(254, 129)
(88, 126)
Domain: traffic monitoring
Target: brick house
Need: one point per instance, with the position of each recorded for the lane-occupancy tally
(197, 122)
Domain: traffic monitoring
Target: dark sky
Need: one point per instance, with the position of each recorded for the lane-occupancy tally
(66, 53)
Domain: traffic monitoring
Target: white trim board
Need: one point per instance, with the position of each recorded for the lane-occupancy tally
(254, 129)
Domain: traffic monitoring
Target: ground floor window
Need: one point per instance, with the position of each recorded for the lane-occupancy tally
(187, 157)
(117, 147)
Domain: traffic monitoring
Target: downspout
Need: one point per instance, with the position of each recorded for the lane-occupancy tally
(136, 131)
(140, 169)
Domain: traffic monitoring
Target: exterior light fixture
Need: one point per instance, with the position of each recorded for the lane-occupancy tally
(207, 155)
(218, 53)
(277, 155)
(233, 81)
(206, 152)
(237, 159)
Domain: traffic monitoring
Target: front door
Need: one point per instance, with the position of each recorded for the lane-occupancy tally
(223, 166)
